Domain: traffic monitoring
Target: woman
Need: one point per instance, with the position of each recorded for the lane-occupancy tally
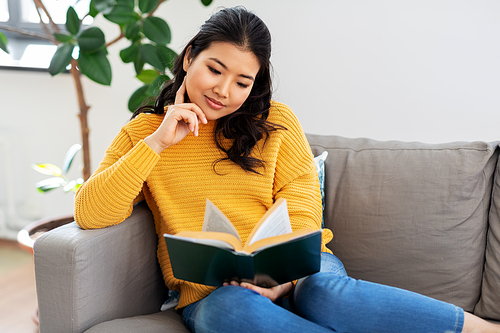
(215, 133)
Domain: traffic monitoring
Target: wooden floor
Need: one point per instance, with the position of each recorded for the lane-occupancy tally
(17, 289)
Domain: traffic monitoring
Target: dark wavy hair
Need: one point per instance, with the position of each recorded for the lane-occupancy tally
(246, 126)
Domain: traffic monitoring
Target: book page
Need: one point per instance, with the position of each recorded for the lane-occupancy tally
(215, 239)
(215, 220)
(274, 223)
(276, 240)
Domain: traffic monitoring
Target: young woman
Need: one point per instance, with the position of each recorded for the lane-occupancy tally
(215, 133)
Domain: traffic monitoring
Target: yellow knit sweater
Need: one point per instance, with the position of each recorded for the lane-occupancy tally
(177, 183)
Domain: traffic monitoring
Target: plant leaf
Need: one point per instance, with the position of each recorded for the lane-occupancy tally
(3, 43)
(157, 30)
(147, 76)
(132, 31)
(122, 14)
(72, 21)
(61, 59)
(206, 2)
(50, 184)
(103, 6)
(91, 40)
(47, 169)
(63, 38)
(130, 53)
(139, 63)
(148, 52)
(147, 6)
(138, 97)
(70, 155)
(92, 10)
(166, 55)
(128, 3)
(96, 66)
(73, 185)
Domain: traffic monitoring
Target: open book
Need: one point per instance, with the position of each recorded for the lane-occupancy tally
(272, 255)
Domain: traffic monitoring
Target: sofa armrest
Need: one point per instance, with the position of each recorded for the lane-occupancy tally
(84, 277)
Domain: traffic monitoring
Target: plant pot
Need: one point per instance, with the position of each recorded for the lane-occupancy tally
(27, 236)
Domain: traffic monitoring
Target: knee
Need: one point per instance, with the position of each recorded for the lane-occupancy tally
(332, 264)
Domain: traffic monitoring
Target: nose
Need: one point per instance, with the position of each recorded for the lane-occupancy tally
(222, 88)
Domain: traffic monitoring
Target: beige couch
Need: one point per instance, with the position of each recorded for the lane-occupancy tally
(417, 216)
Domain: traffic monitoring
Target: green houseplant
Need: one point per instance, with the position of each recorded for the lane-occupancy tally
(148, 51)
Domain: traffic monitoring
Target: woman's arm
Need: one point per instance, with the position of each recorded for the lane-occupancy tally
(296, 178)
(107, 198)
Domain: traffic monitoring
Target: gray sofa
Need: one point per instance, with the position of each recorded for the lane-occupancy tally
(424, 217)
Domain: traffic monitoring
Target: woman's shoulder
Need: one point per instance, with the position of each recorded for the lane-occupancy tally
(144, 124)
(282, 114)
(280, 110)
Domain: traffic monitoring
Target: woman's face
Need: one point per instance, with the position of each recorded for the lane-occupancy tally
(220, 78)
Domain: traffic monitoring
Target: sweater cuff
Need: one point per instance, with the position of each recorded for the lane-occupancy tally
(142, 158)
(290, 293)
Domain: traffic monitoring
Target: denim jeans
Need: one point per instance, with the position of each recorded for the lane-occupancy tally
(328, 301)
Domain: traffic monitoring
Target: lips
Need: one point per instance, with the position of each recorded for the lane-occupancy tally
(214, 104)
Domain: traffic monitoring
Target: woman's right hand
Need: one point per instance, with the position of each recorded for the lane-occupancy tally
(180, 119)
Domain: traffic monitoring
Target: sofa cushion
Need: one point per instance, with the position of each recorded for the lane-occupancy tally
(161, 322)
(489, 304)
(410, 215)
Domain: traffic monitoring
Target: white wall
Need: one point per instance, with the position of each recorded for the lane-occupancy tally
(419, 70)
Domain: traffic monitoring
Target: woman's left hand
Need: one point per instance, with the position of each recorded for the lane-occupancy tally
(273, 293)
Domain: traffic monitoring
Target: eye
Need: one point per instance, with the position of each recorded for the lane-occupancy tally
(242, 85)
(213, 70)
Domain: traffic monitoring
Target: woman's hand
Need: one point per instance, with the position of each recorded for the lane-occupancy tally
(273, 293)
(180, 119)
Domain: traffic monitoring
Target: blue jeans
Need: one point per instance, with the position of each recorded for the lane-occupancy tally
(328, 301)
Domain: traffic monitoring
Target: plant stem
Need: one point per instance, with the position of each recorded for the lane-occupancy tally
(39, 4)
(120, 36)
(84, 108)
(25, 32)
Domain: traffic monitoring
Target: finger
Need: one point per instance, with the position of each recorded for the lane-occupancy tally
(252, 287)
(190, 119)
(179, 96)
(197, 110)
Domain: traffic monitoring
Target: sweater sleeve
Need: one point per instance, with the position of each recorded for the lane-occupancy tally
(107, 198)
(296, 179)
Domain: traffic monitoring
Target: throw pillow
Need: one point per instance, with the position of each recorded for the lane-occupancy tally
(320, 168)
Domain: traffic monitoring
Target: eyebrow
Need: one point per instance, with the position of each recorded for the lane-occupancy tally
(225, 67)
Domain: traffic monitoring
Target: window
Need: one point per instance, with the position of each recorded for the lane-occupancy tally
(30, 52)
(4, 11)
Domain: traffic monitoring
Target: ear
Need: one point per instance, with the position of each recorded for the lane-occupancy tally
(187, 59)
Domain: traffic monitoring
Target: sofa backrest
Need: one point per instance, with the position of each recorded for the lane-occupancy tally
(409, 214)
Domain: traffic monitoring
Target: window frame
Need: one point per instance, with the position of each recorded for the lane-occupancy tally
(17, 43)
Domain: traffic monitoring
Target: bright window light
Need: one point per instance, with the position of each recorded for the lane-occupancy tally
(33, 53)
(56, 8)
(4, 11)
(37, 56)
